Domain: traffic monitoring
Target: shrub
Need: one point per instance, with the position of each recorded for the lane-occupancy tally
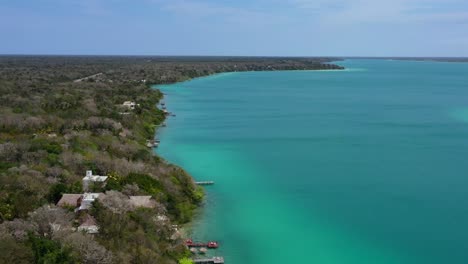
(47, 251)
(185, 261)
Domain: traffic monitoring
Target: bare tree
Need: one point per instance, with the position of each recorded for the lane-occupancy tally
(50, 219)
(91, 251)
(18, 229)
(117, 202)
(131, 189)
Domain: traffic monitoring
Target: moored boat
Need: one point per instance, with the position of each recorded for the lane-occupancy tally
(212, 244)
(209, 245)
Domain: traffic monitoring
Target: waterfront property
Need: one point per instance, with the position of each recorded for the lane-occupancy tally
(83, 202)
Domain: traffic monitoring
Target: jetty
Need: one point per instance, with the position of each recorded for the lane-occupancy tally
(204, 182)
(213, 260)
(211, 245)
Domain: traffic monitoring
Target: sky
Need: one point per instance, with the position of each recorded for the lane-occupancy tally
(436, 28)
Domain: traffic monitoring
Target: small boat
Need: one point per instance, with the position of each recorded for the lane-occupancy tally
(194, 250)
(212, 244)
(203, 250)
(151, 144)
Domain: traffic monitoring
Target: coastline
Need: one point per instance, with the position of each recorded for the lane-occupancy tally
(199, 106)
(207, 231)
(154, 86)
(105, 123)
(187, 229)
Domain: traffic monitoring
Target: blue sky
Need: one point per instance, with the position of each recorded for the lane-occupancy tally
(242, 27)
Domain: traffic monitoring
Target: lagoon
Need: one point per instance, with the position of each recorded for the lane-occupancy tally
(365, 165)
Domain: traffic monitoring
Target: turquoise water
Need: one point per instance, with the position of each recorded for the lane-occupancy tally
(367, 165)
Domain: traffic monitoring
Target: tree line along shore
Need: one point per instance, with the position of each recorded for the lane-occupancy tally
(64, 115)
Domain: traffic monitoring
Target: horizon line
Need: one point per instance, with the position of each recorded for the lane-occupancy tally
(226, 56)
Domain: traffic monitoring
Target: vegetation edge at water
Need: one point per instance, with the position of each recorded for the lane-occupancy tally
(63, 116)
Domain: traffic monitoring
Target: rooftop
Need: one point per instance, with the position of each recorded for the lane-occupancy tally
(95, 178)
(89, 225)
(91, 196)
(88, 199)
(69, 199)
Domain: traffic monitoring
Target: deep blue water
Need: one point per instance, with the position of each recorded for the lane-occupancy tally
(367, 165)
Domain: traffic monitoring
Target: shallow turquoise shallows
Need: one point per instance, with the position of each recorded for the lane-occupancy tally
(367, 165)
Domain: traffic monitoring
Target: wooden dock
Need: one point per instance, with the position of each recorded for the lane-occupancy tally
(204, 182)
(213, 260)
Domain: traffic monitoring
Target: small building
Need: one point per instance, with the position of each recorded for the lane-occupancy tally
(162, 218)
(142, 201)
(152, 143)
(130, 105)
(88, 199)
(89, 225)
(70, 200)
(90, 179)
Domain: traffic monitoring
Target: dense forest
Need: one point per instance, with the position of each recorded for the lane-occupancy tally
(61, 116)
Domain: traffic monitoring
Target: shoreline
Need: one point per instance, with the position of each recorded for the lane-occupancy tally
(187, 229)
(101, 115)
(155, 86)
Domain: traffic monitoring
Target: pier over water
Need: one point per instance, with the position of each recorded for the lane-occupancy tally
(213, 260)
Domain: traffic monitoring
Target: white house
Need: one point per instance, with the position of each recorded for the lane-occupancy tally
(90, 178)
(88, 199)
(130, 105)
